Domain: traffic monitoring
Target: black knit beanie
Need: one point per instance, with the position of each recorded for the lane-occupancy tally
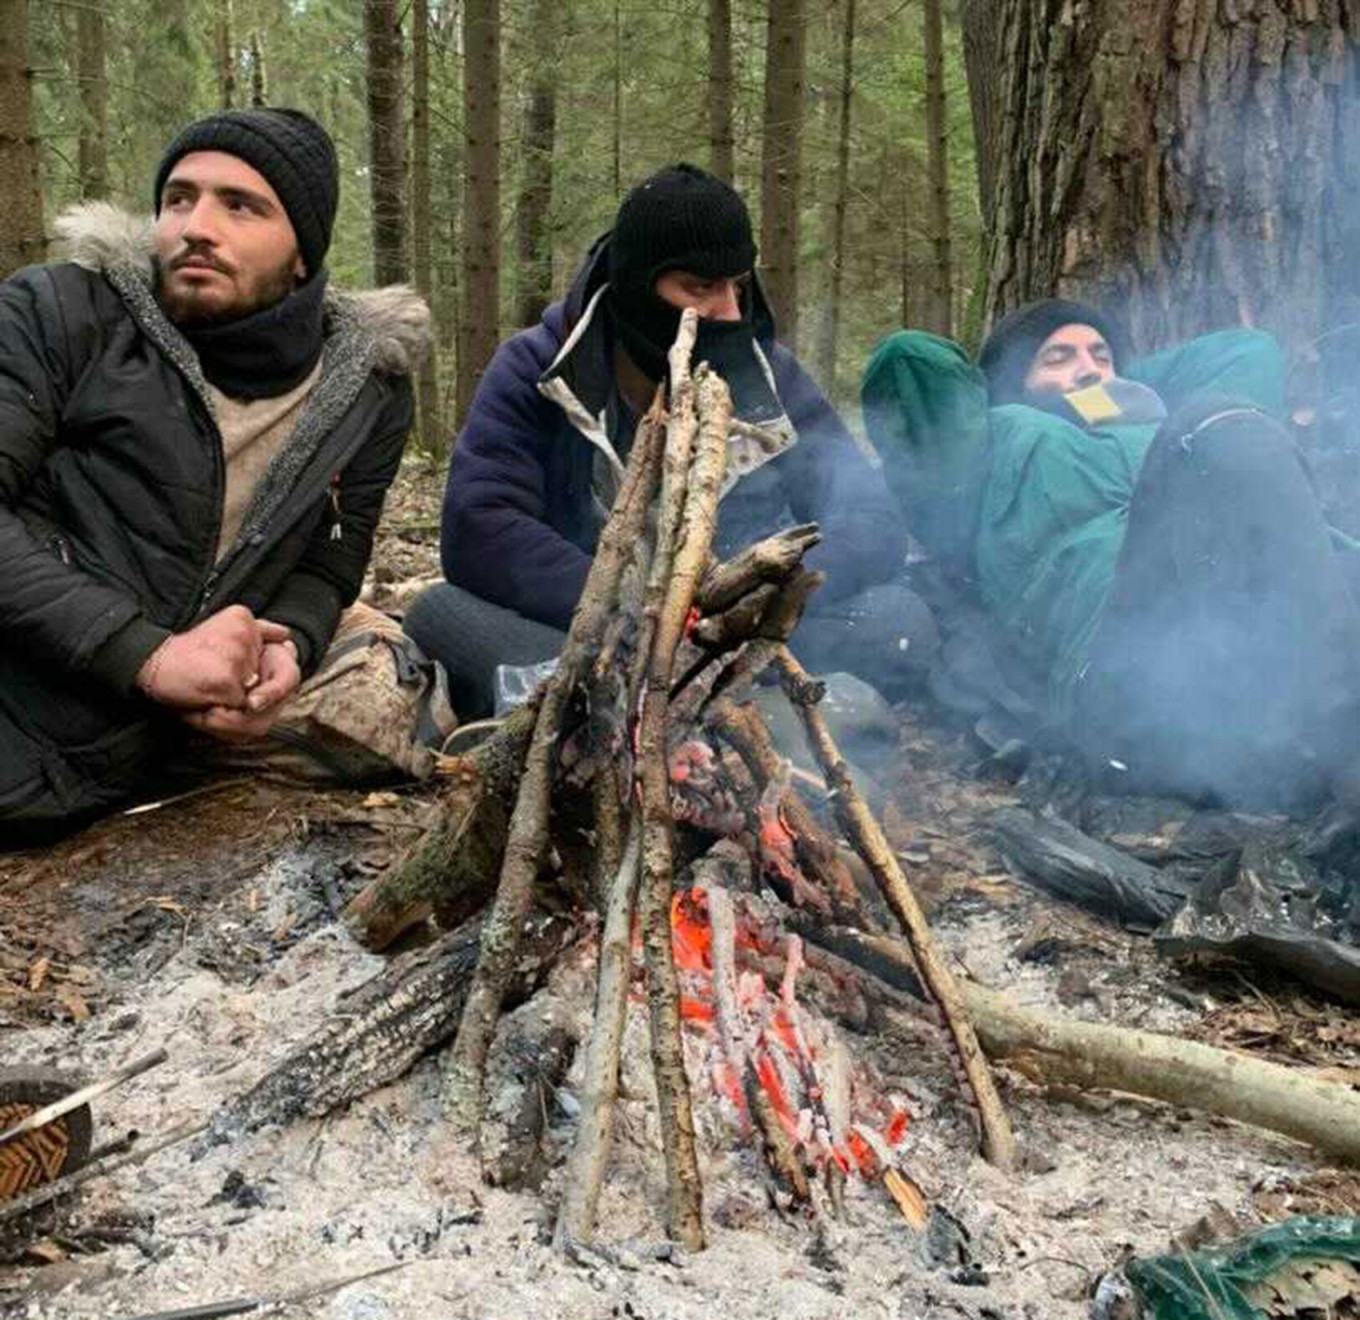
(1008, 352)
(293, 152)
(682, 218)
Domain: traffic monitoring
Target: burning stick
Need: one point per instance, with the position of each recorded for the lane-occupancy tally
(527, 839)
(699, 486)
(864, 832)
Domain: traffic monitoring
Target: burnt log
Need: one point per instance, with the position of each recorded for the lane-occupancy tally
(410, 1008)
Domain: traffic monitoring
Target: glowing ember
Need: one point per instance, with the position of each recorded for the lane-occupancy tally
(785, 1046)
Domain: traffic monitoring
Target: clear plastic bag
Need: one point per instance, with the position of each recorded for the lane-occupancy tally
(515, 684)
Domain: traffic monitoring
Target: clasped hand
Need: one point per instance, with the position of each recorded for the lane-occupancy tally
(227, 676)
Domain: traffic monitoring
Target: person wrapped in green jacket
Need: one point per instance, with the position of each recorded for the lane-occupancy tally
(1146, 534)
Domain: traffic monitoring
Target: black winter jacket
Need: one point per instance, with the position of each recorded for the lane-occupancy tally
(111, 483)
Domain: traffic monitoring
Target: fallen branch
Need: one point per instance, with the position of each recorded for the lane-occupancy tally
(1323, 1114)
(452, 868)
(864, 833)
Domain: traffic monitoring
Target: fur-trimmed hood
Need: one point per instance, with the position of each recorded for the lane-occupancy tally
(106, 238)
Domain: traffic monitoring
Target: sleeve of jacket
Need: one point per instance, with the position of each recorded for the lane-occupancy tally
(330, 573)
(49, 609)
(495, 538)
(829, 481)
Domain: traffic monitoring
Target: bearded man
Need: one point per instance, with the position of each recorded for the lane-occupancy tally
(196, 437)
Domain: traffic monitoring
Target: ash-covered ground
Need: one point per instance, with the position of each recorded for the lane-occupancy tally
(208, 927)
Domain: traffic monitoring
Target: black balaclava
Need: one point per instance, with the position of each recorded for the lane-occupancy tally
(273, 349)
(1008, 352)
(681, 218)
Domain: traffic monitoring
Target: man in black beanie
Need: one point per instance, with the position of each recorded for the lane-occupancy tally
(538, 463)
(196, 437)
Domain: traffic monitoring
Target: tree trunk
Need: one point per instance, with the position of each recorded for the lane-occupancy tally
(22, 240)
(226, 57)
(826, 358)
(937, 167)
(721, 139)
(980, 55)
(481, 195)
(387, 144)
(533, 240)
(1184, 163)
(94, 102)
(427, 382)
(259, 82)
(785, 60)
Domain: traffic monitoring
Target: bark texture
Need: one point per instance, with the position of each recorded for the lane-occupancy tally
(387, 150)
(831, 323)
(22, 240)
(939, 319)
(427, 382)
(785, 61)
(480, 320)
(721, 139)
(91, 44)
(533, 236)
(1189, 164)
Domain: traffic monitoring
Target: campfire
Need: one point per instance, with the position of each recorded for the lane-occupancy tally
(636, 810)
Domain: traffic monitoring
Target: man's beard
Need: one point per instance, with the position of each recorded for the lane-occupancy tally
(189, 309)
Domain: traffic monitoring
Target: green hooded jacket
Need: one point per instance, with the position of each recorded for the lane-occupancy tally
(1029, 507)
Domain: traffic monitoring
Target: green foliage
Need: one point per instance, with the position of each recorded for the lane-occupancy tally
(162, 57)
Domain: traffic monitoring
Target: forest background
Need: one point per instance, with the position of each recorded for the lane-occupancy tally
(1187, 164)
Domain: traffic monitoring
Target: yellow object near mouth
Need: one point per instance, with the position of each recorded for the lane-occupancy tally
(1094, 404)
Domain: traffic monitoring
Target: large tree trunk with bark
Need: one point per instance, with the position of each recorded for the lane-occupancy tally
(1187, 163)
(22, 239)
(785, 60)
(480, 328)
(387, 140)
(533, 238)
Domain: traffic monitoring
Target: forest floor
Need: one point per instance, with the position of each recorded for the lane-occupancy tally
(207, 926)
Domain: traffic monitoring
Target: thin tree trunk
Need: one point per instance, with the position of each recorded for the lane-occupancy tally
(785, 58)
(22, 240)
(618, 100)
(721, 139)
(980, 55)
(94, 102)
(1183, 163)
(826, 365)
(940, 319)
(226, 57)
(427, 383)
(481, 196)
(533, 240)
(259, 81)
(387, 153)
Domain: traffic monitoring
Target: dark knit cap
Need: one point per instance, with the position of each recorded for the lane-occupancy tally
(1008, 352)
(293, 152)
(682, 218)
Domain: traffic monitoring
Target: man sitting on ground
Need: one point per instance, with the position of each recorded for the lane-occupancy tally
(196, 438)
(1172, 577)
(538, 463)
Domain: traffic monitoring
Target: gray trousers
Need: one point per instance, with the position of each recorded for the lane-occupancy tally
(884, 635)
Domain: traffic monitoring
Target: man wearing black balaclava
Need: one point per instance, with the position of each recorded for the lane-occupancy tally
(537, 466)
(195, 439)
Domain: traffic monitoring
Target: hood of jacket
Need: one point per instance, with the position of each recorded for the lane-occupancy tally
(580, 378)
(390, 326)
